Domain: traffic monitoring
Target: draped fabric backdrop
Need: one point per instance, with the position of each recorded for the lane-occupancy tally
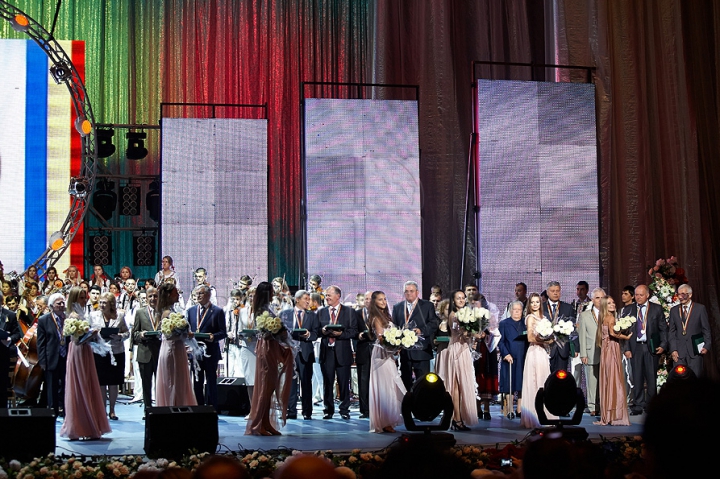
(657, 102)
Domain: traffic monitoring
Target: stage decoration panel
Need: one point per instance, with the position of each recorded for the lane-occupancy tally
(363, 194)
(214, 193)
(538, 186)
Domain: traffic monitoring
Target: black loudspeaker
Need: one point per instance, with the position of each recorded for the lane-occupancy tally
(233, 396)
(27, 433)
(171, 432)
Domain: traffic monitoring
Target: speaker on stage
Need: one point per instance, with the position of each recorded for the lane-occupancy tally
(233, 396)
(170, 432)
(27, 433)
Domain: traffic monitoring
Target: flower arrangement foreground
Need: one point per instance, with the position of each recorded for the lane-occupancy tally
(623, 456)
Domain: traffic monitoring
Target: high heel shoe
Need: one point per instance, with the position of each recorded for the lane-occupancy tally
(459, 426)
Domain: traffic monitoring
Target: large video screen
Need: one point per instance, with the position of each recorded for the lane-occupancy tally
(214, 200)
(39, 152)
(538, 218)
(363, 194)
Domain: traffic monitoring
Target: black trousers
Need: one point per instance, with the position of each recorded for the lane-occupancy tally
(331, 369)
(147, 370)
(408, 367)
(644, 368)
(363, 374)
(304, 372)
(205, 383)
(55, 382)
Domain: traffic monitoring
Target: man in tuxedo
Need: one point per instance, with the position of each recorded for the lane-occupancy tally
(363, 354)
(206, 318)
(420, 315)
(554, 309)
(300, 317)
(10, 333)
(147, 319)
(588, 323)
(336, 355)
(52, 347)
(689, 321)
(643, 349)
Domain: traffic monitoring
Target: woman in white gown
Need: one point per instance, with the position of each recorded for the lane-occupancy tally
(386, 386)
(537, 365)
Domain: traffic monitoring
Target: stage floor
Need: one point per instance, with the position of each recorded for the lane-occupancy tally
(335, 434)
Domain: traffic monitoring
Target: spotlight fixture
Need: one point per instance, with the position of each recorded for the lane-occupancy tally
(680, 373)
(422, 404)
(20, 23)
(105, 144)
(152, 201)
(136, 145)
(78, 187)
(105, 199)
(56, 241)
(83, 126)
(559, 396)
(61, 72)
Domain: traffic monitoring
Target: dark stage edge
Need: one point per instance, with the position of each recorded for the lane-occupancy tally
(338, 435)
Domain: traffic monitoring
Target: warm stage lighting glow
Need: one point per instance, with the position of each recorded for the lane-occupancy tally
(20, 23)
(680, 369)
(431, 378)
(561, 374)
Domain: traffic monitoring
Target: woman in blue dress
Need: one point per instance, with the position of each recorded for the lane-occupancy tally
(512, 352)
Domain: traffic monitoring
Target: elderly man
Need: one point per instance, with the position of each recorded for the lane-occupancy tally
(208, 320)
(146, 336)
(363, 353)
(554, 309)
(689, 331)
(588, 324)
(52, 347)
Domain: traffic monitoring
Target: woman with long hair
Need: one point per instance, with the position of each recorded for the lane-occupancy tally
(537, 363)
(50, 283)
(110, 376)
(166, 272)
(613, 402)
(77, 302)
(173, 385)
(274, 372)
(99, 278)
(456, 368)
(386, 387)
(443, 312)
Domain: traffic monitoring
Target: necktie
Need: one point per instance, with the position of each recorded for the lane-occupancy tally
(554, 310)
(685, 310)
(299, 319)
(201, 315)
(333, 320)
(641, 321)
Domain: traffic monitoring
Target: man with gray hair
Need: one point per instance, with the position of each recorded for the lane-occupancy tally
(554, 310)
(588, 323)
(689, 331)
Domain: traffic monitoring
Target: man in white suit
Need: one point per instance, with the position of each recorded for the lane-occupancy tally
(588, 323)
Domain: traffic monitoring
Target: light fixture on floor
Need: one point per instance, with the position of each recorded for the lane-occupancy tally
(560, 395)
(423, 403)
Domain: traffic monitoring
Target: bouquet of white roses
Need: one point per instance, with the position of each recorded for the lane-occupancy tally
(624, 324)
(563, 329)
(75, 327)
(394, 338)
(266, 323)
(174, 325)
(473, 320)
(544, 329)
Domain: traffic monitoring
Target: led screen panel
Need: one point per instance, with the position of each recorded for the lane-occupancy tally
(214, 200)
(538, 188)
(363, 194)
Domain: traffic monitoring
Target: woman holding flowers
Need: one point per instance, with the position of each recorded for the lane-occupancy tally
(456, 366)
(173, 384)
(386, 387)
(537, 360)
(274, 368)
(84, 406)
(613, 402)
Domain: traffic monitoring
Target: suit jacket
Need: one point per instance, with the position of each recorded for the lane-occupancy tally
(566, 311)
(654, 323)
(48, 343)
(149, 346)
(310, 322)
(587, 336)
(9, 328)
(214, 322)
(697, 324)
(426, 321)
(363, 351)
(343, 346)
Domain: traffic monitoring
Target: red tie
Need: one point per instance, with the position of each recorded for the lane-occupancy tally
(333, 320)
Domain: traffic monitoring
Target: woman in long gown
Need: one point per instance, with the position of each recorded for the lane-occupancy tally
(613, 402)
(386, 387)
(443, 311)
(173, 385)
(84, 405)
(457, 370)
(512, 351)
(248, 343)
(273, 373)
(537, 364)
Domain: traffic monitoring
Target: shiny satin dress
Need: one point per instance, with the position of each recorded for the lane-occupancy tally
(458, 373)
(535, 373)
(613, 403)
(174, 386)
(386, 390)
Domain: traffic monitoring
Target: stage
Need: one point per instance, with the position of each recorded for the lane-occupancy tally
(338, 435)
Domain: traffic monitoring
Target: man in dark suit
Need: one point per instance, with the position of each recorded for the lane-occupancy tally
(645, 346)
(554, 309)
(300, 317)
(10, 333)
(420, 315)
(52, 348)
(206, 318)
(688, 321)
(336, 355)
(363, 353)
(147, 319)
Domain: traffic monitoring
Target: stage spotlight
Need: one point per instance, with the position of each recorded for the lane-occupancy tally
(680, 373)
(422, 404)
(20, 23)
(78, 187)
(152, 201)
(83, 126)
(105, 199)
(136, 145)
(56, 241)
(560, 395)
(61, 72)
(105, 144)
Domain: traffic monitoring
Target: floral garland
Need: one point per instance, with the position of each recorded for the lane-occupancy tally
(666, 277)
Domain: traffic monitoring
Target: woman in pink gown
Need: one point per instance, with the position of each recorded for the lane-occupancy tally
(173, 384)
(613, 402)
(386, 387)
(537, 365)
(457, 371)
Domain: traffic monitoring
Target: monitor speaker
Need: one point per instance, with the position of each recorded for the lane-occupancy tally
(233, 396)
(171, 432)
(27, 433)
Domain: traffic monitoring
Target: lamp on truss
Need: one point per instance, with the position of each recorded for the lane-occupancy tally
(56, 241)
(61, 72)
(78, 187)
(136, 145)
(20, 23)
(105, 144)
(83, 126)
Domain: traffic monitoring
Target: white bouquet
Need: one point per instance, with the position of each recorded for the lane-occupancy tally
(175, 324)
(266, 323)
(624, 324)
(473, 320)
(394, 338)
(563, 329)
(544, 329)
(75, 327)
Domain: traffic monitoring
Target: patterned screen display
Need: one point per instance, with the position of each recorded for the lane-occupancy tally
(538, 188)
(363, 194)
(214, 200)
